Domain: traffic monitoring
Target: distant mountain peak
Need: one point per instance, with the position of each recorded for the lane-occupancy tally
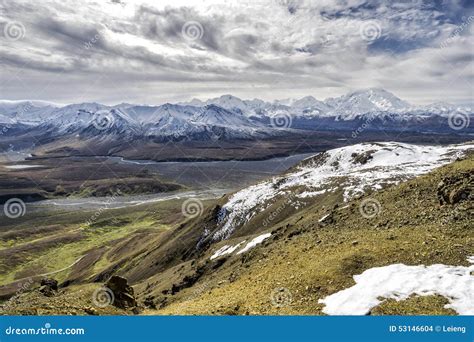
(229, 97)
(235, 117)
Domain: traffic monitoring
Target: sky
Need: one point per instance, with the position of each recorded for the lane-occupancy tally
(151, 52)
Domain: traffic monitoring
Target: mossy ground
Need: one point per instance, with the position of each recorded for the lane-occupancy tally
(73, 235)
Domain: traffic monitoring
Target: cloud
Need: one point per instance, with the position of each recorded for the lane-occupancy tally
(140, 51)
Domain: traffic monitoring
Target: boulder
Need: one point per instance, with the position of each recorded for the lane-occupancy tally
(455, 189)
(48, 287)
(124, 296)
(458, 194)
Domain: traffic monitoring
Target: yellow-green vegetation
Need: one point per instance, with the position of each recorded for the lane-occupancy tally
(39, 251)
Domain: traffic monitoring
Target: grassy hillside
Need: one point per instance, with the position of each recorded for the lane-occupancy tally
(306, 260)
(314, 251)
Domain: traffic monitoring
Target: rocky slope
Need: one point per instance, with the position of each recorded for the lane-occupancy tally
(288, 253)
(318, 250)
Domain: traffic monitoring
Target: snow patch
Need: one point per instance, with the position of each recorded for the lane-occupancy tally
(306, 194)
(399, 282)
(259, 239)
(226, 250)
(241, 207)
(21, 167)
(323, 218)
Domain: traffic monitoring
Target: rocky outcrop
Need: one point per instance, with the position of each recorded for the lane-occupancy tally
(455, 189)
(49, 287)
(124, 296)
(362, 158)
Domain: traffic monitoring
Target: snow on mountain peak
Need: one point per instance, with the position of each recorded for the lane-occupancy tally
(227, 101)
(366, 101)
(372, 102)
(307, 101)
(353, 168)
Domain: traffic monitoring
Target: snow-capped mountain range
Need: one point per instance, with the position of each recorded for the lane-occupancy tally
(230, 117)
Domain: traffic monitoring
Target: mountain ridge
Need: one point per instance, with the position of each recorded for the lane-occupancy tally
(229, 117)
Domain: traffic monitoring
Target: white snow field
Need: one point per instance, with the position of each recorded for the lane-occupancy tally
(399, 282)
